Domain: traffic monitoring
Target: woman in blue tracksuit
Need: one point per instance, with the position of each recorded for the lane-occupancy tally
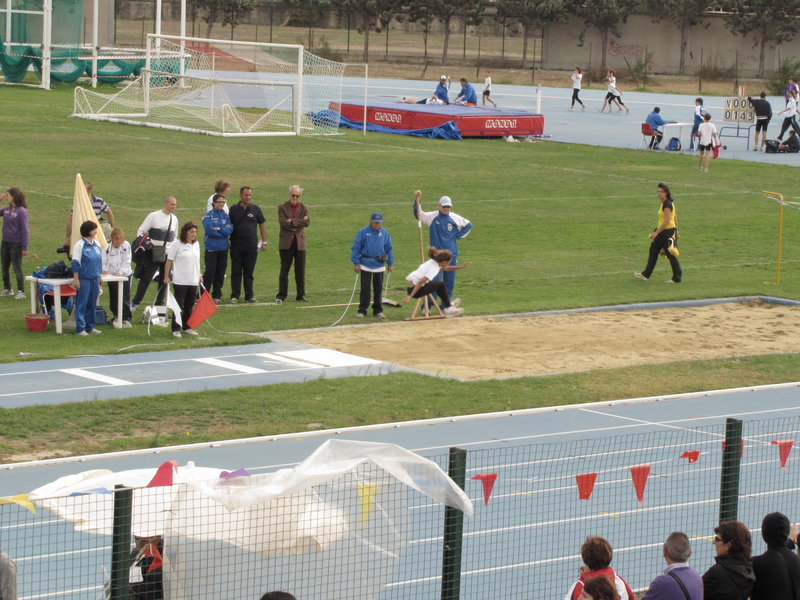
(218, 228)
(87, 267)
(370, 254)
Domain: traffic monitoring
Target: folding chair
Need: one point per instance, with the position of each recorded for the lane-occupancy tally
(647, 131)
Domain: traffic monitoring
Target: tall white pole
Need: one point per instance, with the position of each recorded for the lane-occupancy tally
(539, 99)
(182, 66)
(47, 42)
(158, 23)
(8, 21)
(299, 91)
(366, 82)
(95, 39)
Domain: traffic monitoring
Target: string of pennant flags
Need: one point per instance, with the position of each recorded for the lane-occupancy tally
(639, 473)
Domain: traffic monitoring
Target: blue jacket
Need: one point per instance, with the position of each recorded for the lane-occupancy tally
(87, 259)
(441, 93)
(370, 243)
(445, 230)
(216, 240)
(654, 120)
(468, 94)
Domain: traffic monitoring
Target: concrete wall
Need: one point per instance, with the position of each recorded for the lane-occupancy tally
(662, 43)
(105, 22)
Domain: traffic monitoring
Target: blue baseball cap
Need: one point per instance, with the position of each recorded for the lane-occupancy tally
(376, 217)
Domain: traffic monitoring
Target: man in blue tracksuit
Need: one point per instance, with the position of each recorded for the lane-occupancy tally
(655, 121)
(87, 267)
(370, 254)
(467, 94)
(446, 229)
(218, 228)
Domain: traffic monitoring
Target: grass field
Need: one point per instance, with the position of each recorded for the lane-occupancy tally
(556, 226)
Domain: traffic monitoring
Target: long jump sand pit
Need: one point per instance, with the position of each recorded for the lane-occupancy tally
(494, 347)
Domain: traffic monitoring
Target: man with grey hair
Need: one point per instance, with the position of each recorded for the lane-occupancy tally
(679, 581)
(293, 219)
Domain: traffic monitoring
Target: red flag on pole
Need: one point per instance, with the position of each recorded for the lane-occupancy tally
(164, 474)
(639, 474)
(741, 448)
(204, 308)
(784, 447)
(585, 485)
(692, 455)
(487, 479)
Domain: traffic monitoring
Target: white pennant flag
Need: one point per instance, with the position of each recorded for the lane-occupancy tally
(172, 304)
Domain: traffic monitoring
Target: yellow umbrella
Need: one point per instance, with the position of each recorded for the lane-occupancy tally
(82, 211)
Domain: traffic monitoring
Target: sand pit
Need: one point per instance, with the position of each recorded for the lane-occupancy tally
(491, 347)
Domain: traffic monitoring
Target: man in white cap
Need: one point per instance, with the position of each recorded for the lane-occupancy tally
(446, 229)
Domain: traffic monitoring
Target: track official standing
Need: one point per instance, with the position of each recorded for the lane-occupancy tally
(446, 228)
(246, 219)
(293, 219)
(162, 227)
(371, 254)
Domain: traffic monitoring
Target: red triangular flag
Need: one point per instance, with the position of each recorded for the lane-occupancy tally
(741, 448)
(585, 485)
(204, 308)
(164, 474)
(488, 480)
(151, 550)
(784, 447)
(639, 474)
(692, 455)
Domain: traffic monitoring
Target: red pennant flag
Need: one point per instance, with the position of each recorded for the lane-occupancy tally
(204, 308)
(585, 485)
(639, 474)
(784, 447)
(488, 480)
(692, 455)
(741, 448)
(164, 474)
(151, 550)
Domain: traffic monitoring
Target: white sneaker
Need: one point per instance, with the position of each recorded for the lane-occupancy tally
(82, 333)
(359, 316)
(190, 332)
(20, 295)
(453, 311)
(642, 277)
(95, 331)
(126, 325)
(176, 334)
(456, 302)
(381, 315)
(7, 293)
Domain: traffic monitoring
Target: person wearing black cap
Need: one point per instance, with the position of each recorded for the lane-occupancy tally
(777, 571)
(371, 254)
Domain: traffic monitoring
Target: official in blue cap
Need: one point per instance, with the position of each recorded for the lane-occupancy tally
(371, 254)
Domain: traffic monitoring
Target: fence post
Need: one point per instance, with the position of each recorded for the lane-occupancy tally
(453, 530)
(731, 463)
(121, 543)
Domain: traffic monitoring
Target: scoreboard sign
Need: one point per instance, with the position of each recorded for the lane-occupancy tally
(739, 111)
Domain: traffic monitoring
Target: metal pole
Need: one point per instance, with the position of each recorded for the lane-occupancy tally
(366, 83)
(539, 99)
(95, 39)
(8, 21)
(731, 464)
(453, 530)
(158, 22)
(299, 91)
(271, 9)
(121, 543)
(47, 41)
(503, 51)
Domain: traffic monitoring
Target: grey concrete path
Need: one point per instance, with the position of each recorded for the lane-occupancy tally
(618, 130)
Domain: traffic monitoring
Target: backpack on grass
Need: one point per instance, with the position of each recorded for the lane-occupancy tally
(772, 146)
(674, 145)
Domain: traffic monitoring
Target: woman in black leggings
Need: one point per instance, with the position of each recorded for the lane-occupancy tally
(424, 280)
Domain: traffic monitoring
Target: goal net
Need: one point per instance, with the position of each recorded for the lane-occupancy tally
(224, 88)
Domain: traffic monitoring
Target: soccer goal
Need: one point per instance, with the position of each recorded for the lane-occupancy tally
(225, 88)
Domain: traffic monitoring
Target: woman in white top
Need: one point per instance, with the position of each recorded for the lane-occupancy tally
(576, 88)
(790, 110)
(707, 131)
(423, 281)
(183, 271)
(487, 90)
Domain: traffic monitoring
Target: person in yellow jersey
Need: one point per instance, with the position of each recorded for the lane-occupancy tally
(665, 238)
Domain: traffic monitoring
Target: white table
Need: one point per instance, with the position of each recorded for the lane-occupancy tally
(57, 283)
(666, 138)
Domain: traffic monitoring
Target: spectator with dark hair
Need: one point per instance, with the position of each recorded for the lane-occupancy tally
(467, 94)
(247, 220)
(218, 228)
(87, 269)
(679, 581)
(763, 111)
(655, 121)
(731, 578)
(183, 260)
(101, 210)
(596, 553)
(599, 588)
(777, 571)
(792, 143)
(278, 596)
(221, 188)
(16, 236)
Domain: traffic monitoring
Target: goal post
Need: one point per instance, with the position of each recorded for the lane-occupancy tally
(226, 88)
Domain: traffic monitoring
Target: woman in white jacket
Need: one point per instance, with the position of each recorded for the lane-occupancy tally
(117, 262)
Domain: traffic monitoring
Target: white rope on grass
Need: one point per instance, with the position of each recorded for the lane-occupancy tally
(355, 285)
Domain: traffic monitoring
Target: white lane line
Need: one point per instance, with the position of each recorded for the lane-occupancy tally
(289, 361)
(328, 358)
(96, 376)
(215, 362)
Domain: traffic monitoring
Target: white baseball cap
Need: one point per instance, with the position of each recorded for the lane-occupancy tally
(443, 77)
(445, 201)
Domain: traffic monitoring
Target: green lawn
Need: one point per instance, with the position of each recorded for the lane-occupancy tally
(556, 226)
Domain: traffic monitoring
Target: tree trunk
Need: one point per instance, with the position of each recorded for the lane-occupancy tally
(366, 45)
(425, 41)
(684, 40)
(446, 40)
(211, 19)
(525, 30)
(761, 56)
(604, 48)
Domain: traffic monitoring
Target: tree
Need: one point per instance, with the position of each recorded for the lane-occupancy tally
(419, 12)
(683, 14)
(605, 16)
(775, 22)
(229, 12)
(531, 15)
(368, 13)
(446, 10)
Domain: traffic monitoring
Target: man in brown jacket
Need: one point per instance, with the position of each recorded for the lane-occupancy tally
(293, 219)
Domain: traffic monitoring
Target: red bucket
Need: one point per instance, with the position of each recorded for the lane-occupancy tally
(37, 323)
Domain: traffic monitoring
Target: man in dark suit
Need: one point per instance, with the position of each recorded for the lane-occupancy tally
(293, 219)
